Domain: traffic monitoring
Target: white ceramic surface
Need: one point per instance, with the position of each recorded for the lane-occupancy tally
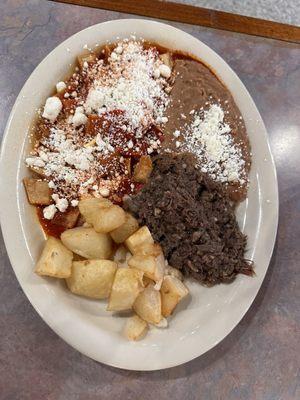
(211, 313)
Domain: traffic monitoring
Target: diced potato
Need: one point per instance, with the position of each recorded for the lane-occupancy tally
(88, 243)
(67, 219)
(135, 328)
(56, 260)
(108, 219)
(147, 281)
(121, 233)
(102, 214)
(141, 237)
(149, 249)
(173, 272)
(38, 191)
(90, 206)
(128, 283)
(148, 305)
(163, 323)
(122, 256)
(92, 278)
(89, 58)
(143, 169)
(172, 292)
(152, 266)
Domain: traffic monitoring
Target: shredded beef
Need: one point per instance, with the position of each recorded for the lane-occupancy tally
(193, 219)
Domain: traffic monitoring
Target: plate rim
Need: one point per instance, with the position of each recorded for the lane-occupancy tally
(4, 221)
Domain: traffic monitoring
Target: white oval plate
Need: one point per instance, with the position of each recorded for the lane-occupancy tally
(212, 312)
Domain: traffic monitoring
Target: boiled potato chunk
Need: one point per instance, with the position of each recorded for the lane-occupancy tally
(135, 328)
(121, 233)
(56, 260)
(173, 272)
(92, 278)
(88, 243)
(147, 281)
(149, 249)
(122, 256)
(90, 207)
(109, 219)
(172, 292)
(128, 283)
(148, 305)
(152, 266)
(139, 238)
(102, 214)
(38, 191)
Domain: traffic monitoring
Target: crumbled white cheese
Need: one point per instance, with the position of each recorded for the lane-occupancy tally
(209, 138)
(114, 56)
(129, 86)
(52, 108)
(51, 185)
(62, 204)
(165, 71)
(119, 49)
(104, 192)
(61, 86)
(95, 100)
(35, 162)
(49, 211)
(74, 203)
(176, 133)
(156, 73)
(79, 117)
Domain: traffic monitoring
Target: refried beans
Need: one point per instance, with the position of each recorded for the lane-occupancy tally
(197, 87)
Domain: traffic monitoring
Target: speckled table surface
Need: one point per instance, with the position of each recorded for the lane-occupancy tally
(259, 360)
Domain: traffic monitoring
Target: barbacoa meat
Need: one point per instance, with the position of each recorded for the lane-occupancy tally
(193, 219)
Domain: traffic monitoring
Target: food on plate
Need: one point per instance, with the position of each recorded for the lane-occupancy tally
(92, 278)
(138, 239)
(88, 243)
(125, 230)
(138, 162)
(173, 290)
(135, 328)
(103, 215)
(193, 219)
(205, 121)
(127, 285)
(152, 266)
(38, 191)
(55, 260)
(148, 305)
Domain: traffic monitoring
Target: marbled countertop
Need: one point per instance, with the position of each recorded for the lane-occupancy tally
(259, 360)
